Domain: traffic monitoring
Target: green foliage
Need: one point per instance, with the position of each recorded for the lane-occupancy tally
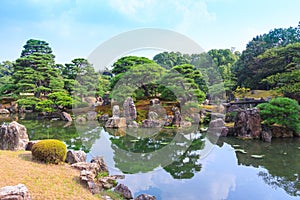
(287, 83)
(36, 46)
(28, 102)
(85, 78)
(171, 59)
(141, 115)
(251, 68)
(241, 91)
(282, 111)
(101, 175)
(125, 63)
(142, 77)
(49, 151)
(45, 106)
(6, 81)
(61, 100)
(180, 86)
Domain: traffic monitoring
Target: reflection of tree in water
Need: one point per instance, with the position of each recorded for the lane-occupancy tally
(291, 185)
(281, 159)
(76, 137)
(134, 154)
(188, 164)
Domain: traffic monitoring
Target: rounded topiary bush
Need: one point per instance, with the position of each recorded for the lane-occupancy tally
(49, 151)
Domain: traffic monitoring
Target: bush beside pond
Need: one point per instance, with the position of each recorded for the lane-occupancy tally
(49, 151)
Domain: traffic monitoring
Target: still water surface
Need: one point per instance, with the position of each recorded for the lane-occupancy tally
(176, 165)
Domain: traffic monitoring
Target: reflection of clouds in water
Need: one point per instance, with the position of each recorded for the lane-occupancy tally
(214, 181)
(221, 185)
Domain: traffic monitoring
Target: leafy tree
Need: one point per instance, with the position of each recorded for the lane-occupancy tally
(224, 59)
(283, 111)
(124, 64)
(176, 87)
(28, 102)
(36, 46)
(142, 77)
(34, 70)
(171, 59)
(276, 60)
(45, 106)
(246, 66)
(6, 81)
(60, 100)
(190, 72)
(80, 78)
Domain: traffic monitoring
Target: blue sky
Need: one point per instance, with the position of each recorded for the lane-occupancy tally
(74, 28)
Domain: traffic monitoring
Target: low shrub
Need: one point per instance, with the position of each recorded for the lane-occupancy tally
(49, 151)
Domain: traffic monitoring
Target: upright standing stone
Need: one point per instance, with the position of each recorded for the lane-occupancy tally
(177, 117)
(129, 109)
(13, 137)
(116, 111)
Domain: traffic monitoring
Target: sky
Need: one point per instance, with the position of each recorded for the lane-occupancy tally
(74, 28)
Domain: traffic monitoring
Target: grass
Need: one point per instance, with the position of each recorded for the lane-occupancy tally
(262, 93)
(42, 180)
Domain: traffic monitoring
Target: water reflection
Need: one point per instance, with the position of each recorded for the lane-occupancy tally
(281, 159)
(179, 164)
(173, 149)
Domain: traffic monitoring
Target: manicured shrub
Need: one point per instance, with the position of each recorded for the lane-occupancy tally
(282, 111)
(49, 151)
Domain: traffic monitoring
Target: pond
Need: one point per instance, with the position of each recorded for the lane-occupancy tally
(185, 164)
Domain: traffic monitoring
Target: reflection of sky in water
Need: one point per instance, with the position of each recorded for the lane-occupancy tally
(220, 178)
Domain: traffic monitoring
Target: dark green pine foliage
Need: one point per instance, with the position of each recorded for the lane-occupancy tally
(283, 111)
(34, 73)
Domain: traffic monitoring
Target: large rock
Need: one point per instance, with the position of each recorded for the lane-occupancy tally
(4, 111)
(217, 127)
(13, 137)
(248, 123)
(116, 122)
(116, 111)
(92, 167)
(100, 162)
(266, 136)
(153, 115)
(154, 102)
(103, 118)
(91, 116)
(217, 116)
(75, 156)
(145, 197)
(177, 117)
(124, 191)
(17, 192)
(66, 116)
(276, 131)
(95, 175)
(148, 123)
(129, 109)
(80, 120)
